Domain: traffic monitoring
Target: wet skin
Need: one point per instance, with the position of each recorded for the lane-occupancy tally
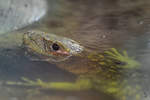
(49, 47)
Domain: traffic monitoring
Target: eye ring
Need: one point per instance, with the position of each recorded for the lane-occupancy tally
(55, 46)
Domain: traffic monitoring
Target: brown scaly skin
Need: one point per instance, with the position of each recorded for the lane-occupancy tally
(103, 72)
(39, 45)
(42, 45)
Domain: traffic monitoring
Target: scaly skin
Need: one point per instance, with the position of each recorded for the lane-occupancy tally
(40, 44)
(105, 75)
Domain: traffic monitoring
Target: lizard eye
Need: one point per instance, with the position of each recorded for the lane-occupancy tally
(55, 46)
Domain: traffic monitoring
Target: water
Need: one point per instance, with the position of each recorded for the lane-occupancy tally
(98, 25)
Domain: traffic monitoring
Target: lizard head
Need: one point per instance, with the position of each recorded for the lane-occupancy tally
(50, 47)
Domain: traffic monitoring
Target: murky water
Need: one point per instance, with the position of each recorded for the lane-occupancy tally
(98, 25)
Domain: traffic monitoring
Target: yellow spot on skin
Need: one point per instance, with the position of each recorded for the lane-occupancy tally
(102, 63)
(112, 90)
(101, 56)
(94, 59)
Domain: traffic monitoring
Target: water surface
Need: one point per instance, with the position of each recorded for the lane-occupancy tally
(98, 25)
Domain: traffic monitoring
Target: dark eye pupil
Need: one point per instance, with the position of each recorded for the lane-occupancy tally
(55, 47)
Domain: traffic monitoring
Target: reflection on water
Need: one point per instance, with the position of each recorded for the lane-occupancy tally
(98, 25)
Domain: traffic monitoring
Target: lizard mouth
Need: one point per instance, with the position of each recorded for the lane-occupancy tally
(62, 53)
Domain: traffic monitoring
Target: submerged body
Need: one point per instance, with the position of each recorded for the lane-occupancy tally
(104, 72)
(49, 47)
